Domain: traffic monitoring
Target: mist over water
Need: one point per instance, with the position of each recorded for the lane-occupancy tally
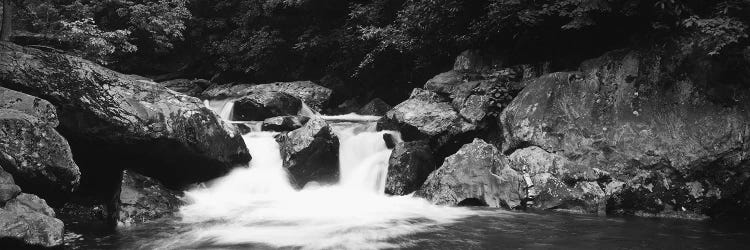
(257, 205)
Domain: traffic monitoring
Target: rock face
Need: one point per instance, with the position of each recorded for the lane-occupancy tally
(311, 153)
(375, 107)
(477, 174)
(25, 219)
(408, 167)
(31, 149)
(143, 199)
(644, 119)
(315, 96)
(257, 106)
(113, 121)
(284, 123)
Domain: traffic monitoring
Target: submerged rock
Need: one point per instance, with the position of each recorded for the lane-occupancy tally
(315, 96)
(144, 199)
(310, 153)
(477, 173)
(38, 157)
(284, 123)
(408, 167)
(257, 106)
(644, 118)
(114, 121)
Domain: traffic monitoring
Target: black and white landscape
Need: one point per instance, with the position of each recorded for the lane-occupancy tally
(374, 124)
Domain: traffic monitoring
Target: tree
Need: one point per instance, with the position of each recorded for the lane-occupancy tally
(7, 22)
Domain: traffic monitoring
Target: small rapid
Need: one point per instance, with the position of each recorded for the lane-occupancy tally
(257, 205)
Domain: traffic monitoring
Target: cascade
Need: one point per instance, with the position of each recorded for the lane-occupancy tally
(256, 204)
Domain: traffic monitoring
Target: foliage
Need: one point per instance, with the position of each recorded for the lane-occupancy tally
(94, 43)
(108, 29)
(378, 45)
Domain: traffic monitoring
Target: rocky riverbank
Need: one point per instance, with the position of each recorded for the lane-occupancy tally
(644, 131)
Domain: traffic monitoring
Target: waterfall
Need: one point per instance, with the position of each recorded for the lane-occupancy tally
(256, 205)
(363, 157)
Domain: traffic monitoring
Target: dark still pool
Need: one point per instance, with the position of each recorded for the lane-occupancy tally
(481, 229)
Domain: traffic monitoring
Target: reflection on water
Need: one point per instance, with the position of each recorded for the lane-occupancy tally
(486, 229)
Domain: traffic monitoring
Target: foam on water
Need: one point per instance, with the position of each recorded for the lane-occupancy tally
(258, 206)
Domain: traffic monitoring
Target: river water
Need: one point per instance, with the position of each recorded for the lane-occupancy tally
(256, 207)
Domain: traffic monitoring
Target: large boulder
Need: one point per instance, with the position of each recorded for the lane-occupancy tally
(257, 106)
(424, 115)
(656, 121)
(408, 167)
(315, 96)
(144, 199)
(477, 174)
(38, 157)
(310, 153)
(114, 121)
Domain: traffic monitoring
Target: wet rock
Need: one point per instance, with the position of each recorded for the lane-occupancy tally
(284, 123)
(375, 107)
(584, 197)
(8, 187)
(315, 96)
(37, 156)
(257, 106)
(29, 220)
(477, 172)
(186, 86)
(114, 121)
(144, 199)
(408, 167)
(648, 118)
(310, 153)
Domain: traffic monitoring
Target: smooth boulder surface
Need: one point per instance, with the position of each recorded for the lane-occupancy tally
(310, 153)
(144, 199)
(315, 96)
(38, 157)
(284, 123)
(408, 167)
(113, 121)
(477, 174)
(257, 106)
(645, 118)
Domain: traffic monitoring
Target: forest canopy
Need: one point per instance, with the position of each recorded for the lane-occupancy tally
(340, 42)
